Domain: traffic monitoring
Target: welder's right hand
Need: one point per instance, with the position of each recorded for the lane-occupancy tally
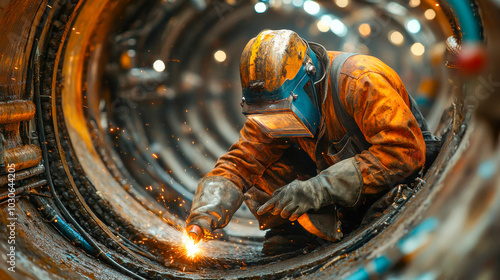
(214, 204)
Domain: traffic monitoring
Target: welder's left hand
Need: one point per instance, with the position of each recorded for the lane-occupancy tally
(340, 183)
(295, 199)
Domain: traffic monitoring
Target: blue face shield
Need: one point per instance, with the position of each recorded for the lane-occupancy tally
(290, 111)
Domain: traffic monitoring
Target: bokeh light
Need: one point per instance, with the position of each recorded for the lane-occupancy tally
(396, 38)
(413, 26)
(323, 25)
(342, 3)
(417, 49)
(260, 7)
(298, 3)
(365, 30)
(414, 3)
(430, 14)
(220, 56)
(159, 66)
(338, 28)
(311, 7)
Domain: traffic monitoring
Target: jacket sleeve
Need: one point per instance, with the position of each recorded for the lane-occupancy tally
(380, 107)
(247, 159)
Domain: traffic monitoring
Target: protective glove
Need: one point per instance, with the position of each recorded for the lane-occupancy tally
(341, 183)
(214, 203)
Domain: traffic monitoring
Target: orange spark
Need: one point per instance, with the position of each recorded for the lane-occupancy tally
(190, 250)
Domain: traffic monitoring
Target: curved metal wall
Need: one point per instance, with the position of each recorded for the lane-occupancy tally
(135, 100)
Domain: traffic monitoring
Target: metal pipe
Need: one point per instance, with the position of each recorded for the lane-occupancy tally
(2, 152)
(471, 30)
(16, 111)
(23, 174)
(23, 157)
(51, 216)
(22, 189)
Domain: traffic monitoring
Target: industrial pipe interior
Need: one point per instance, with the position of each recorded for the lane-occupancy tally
(125, 105)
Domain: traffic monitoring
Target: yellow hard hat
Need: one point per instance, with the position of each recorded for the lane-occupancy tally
(278, 76)
(271, 58)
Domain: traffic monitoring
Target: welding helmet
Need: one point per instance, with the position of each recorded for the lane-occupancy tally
(278, 73)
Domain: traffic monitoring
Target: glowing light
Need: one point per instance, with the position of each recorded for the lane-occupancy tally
(191, 249)
(417, 49)
(327, 19)
(338, 28)
(260, 7)
(413, 26)
(430, 14)
(396, 38)
(220, 56)
(297, 3)
(323, 25)
(342, 3)
(131, 53)
(396, 9)
(159, 66)
(365, 30)
(414, 3)
(311, 7)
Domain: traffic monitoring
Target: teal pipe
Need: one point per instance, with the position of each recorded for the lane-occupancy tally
(51, 216)
(471, 29)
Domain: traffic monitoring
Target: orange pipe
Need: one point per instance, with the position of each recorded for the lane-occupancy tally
(23, 157)
(16, 111)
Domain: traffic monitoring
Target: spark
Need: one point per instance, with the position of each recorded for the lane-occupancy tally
(191, 249)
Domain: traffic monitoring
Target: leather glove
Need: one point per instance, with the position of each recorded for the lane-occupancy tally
(341, 183)
(214, 204)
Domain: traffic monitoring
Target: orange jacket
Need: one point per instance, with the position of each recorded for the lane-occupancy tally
(375, 96)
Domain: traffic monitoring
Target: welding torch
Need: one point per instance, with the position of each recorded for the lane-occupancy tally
(195, 233)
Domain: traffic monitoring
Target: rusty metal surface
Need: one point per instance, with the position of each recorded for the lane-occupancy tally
(18, 35)
(88, 157)
(41, 253)
(25, 189)
(23, 157)
(16, 111)
(23, 174)
(466, 174)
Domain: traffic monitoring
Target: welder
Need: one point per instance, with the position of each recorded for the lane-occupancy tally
(327, 134)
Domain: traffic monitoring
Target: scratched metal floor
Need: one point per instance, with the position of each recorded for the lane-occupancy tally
(135, 106)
